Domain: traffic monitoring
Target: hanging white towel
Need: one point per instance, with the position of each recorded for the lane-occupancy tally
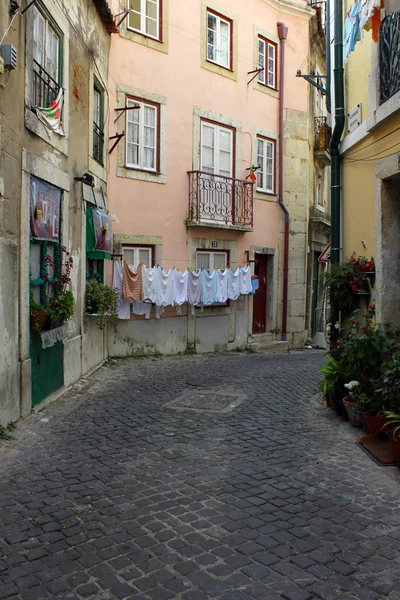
(222, 285)
(149, 277)
(124, 306)
(209, 288)
(233, 285)
(141, 308)
(194, 287)
(180, 287)
(245, 286)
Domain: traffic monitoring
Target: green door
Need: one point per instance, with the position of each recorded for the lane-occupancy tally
(47, 372)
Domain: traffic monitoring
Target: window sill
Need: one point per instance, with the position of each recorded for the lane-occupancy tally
(218, 69)
(265, 89)
(150, 176)
(268, 87)
(145, 35)
(32, 123)
(265, 192)
(211, 62)
(144, 40)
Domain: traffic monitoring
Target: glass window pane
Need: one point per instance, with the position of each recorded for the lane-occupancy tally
(145, 256)
(269, 183)
(149, 137)
(129, 255)
(50, 270)
(261, 47)
(270, 150)
(151, 27)
(260, 179)
(211, 52)
(135, 4)
(219, 260)
(225, 140)
(148, 158)
(225, 163)
(207, 159)
(203, 260)
(96, 107)
(211, 37)
(35, 261)
(208, 136)
(212, 21)
(224, 29)
(151, 9)
(149, 115)
(134, 21)
(133, 154)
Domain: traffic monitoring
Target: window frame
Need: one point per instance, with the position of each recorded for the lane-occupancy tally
(220, 17)
(143, 102)
(159, 37)
(212, 251)
(100, 90)
(49, 23)
(319, 189)
(267, 43)
(139, 247)
(233, 145)
(265, 140)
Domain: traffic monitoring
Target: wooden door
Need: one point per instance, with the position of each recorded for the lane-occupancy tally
(260, 297)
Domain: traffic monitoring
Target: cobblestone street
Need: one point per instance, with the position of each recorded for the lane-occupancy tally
(125, 488)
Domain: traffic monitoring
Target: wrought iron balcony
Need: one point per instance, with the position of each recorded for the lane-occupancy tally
(45, 88)
(389, 56)
(219, 201)
(322, 139)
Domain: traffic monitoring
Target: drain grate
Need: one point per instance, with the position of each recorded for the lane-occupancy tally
(214, 401)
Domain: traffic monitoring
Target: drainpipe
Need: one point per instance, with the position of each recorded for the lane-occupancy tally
(337, 132)
(328, 55)
(282, 34)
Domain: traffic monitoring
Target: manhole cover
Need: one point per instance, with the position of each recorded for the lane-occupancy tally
(216, 401)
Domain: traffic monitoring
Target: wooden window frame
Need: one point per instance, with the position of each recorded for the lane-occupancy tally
(223, 126)
(160, 23)
(143, 101)
(273, 142)
(268, 43)
(230, 23)
(100, 90)
(150, 247)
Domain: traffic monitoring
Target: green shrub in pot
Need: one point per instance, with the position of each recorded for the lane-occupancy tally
(101, 301)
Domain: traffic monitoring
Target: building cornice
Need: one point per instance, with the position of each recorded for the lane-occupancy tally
(291, 8)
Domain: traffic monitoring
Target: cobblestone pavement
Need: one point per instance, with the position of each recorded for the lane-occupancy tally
(115, 492)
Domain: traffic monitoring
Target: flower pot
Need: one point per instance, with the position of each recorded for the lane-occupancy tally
(54, 323)
(328, 400)
(339, 406)
(394, 448)
(352, 413)
(374, 422)
(38, 320)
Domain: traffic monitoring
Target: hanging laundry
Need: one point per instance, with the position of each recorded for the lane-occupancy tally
(233, 284)
(255, 283)
(209, 288)
(51, 116)
(149, 284)
(222, 285)
(245, 281)
(366, 11)
(195, 287)
(180, 287)
(124, 306)
(132, 285)
(141, 308)
(165, 289)
(351, 30)
(376, 22)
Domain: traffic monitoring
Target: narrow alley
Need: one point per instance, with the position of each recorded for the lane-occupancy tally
(196, 477)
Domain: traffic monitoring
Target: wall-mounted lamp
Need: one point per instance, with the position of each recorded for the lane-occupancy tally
(86, 179)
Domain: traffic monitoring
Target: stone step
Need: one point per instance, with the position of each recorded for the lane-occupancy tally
(262, 337)
(269, 347)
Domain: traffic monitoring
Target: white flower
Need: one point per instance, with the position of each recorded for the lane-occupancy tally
(351, 385)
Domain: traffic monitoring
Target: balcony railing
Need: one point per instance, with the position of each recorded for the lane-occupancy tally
(45, 88)
(389, 56)
(322, 135)
(220, 201)
(98, 143)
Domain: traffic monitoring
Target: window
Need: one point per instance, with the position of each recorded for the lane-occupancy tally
(267, 62)
(219, 40)
(211, 260)
(216, 149)
(145, 17)
(46, 60)
(320, 189)
(98, 124)
(266, 164)
(135, 255)
(142, 139)
(95, 269)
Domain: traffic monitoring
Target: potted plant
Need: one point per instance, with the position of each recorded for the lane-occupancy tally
(392, 425)
(372, 410)
(336, 373)
(350, 404)
(101, 301)
(38, 316)
(362, 264)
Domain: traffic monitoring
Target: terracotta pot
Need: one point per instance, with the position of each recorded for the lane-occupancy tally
(394, 448)
(374, 422)
(353, 415)
(38, 320)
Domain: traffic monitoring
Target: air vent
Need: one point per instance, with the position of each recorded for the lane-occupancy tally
(9, 54)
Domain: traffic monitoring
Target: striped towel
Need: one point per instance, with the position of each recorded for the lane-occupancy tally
(132, 285)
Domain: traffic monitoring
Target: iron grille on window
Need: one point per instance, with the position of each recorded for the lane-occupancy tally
(389, 56)
(45, 88)
(98, 143)
(220, 200)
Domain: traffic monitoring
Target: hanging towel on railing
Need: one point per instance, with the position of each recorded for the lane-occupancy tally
(165, 289)
(222, 285)
(132, 286)
(245, 287)
(233, 284)
(209, 288)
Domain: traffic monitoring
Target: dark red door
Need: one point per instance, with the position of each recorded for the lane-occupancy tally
(260, 297)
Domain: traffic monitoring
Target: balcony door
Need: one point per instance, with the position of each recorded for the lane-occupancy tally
(216, 162)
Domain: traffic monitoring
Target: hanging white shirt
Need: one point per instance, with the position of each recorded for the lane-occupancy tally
(180, 287)
(194, 286)
(141, 308)
(209, 293)
(149, 279)
(245, 286)
(233, 285)
(124, 306)
(165, 288)
(222, 285)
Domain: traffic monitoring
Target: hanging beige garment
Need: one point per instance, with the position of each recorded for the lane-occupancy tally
(132, 285)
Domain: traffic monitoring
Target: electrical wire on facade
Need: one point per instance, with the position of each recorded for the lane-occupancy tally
(373, 142)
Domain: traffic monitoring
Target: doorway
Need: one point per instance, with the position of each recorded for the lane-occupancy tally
(260, 297)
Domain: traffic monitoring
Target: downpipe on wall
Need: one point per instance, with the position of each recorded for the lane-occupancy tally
(282, 34)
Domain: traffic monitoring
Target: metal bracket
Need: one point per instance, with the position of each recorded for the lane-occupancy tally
(124, 109)
(28, 6)
(117, 137)
(256, 71)
(311, 79)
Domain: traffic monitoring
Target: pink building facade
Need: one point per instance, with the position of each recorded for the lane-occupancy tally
(194, 85)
